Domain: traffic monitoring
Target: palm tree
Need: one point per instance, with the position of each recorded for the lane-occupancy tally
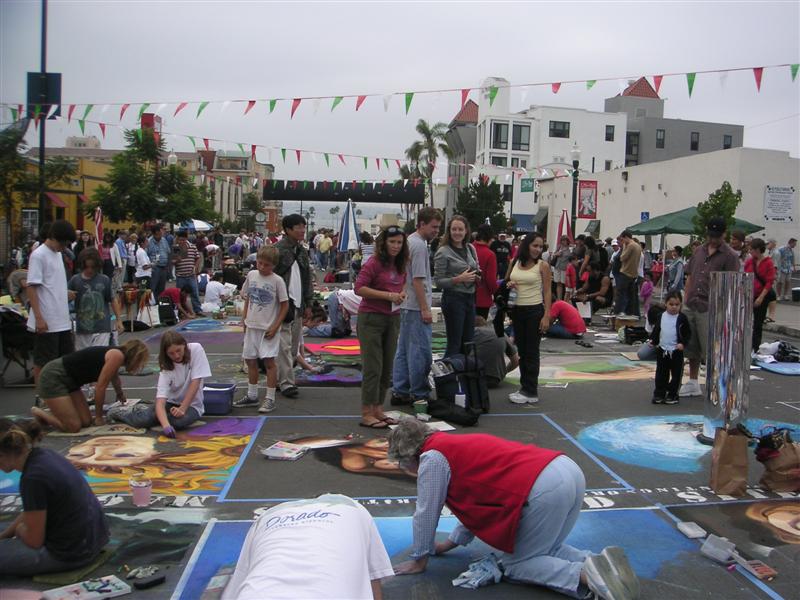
(424, 153)
(334, 210)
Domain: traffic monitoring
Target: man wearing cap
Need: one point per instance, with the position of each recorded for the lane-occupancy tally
(502, 251)
(714, 255)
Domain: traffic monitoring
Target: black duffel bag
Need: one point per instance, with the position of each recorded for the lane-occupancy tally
(460, 374)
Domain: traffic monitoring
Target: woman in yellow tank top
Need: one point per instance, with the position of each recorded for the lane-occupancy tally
(531, 278)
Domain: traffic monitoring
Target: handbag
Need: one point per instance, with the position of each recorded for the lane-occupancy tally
(781, 459)
(729, 462)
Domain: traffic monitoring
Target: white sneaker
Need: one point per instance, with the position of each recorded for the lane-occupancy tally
(267, 406)
(690, 388)
(520, 398)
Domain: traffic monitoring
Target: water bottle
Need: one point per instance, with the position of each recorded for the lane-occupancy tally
(512, 297)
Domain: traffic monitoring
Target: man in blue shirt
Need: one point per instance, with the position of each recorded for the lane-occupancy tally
(159, 251)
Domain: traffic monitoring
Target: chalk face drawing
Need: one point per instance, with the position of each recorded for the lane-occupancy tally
(663, 443)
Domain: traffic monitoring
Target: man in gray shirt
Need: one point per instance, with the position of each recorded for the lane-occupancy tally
(492, 352)
(413, 359)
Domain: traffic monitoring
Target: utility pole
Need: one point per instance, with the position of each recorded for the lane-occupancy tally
(42, 124)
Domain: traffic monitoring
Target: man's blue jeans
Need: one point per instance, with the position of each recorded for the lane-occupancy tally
(459, 320)
(192, 283)
(412, 362)
(158, 280)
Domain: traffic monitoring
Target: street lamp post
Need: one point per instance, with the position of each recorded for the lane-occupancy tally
(576, 161)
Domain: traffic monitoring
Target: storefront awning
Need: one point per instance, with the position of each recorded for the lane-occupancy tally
(56, 199)
(593, 227)
(83, 199)
(541, 215)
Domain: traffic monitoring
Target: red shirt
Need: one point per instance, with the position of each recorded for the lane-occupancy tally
(173, 294)
(490, 479)
(487, 285)
(377, 276)
(764, 274)
(569, 316)
(570, 277)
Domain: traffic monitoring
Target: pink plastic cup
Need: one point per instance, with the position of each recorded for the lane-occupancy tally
(141, 491)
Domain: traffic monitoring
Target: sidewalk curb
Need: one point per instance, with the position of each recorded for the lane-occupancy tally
(782, 329)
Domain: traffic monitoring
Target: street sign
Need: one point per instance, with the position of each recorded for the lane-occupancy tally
(243, 212)
(526, 185)
(645, 216)
(261, 217)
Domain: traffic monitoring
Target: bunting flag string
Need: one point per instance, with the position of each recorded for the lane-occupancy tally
(408, 96)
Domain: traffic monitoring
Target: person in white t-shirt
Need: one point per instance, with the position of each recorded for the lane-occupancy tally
(266, 303)
(326, 547)
(216, 294)
(179, 391)
(144, 269)
(48, 297)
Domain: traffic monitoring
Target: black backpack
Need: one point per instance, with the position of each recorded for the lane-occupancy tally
(460, 374)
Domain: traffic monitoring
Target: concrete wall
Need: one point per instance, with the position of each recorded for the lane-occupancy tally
(677, 140)
(672, 185)
(631, 105)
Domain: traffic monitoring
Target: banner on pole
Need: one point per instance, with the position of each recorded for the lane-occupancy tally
(587, 199)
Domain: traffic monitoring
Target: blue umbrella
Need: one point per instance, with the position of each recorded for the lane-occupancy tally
(348, 232)
(195, 225)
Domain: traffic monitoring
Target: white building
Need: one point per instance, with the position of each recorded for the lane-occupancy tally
(624, 194)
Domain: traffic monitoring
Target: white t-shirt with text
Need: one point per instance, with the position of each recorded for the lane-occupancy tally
(326, 547)
(173, 384)
(46, 271)
(265, 293)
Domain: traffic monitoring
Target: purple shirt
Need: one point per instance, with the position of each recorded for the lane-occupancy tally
(377, 276)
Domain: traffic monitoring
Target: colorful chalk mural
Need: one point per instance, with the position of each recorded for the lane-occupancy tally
(663, 443)
(582, 369)
(205, 330)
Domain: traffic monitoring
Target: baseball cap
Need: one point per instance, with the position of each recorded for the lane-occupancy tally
(614, 242)
(715, 227)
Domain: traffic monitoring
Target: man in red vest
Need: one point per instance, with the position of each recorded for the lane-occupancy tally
(518, 498)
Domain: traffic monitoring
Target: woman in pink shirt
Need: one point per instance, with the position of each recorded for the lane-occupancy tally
(380, 284)
(762, 267)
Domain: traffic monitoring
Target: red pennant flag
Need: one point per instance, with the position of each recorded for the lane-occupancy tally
(398, 163)
(253, 150)
(360, 101)
(295, 103)
(103, 129)
(758, 72)
(297, 153)
(555, 87)
(325, 185)
(69, 112)
(450, 180)
(378, 163)
(657, 80)
(383, 183)
(205, 142)
(181, 106)
(341, 158)
(250, 105)
(464, 96)
(122, 111)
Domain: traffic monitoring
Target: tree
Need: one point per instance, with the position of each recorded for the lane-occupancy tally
(721, 203)
(334, 211)
(424, 153)
(251, 202)
(481, 200)
(139, 190)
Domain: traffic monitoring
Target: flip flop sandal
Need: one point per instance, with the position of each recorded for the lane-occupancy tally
(769, 320)
(375, 425)
(390, 420)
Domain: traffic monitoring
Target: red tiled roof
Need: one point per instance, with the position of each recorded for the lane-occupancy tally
(468, 114)
(640, 88)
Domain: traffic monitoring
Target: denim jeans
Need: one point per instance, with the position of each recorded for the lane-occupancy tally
(526, 320)
(192, 283)
(622, 292)
(143, 414)
(540, 555)
(17, 559)
(557, 330)
(459, 320)
(413, 360)
(158, 280)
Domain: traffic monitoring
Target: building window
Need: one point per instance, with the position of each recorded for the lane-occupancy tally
(507, 193)
(608, 165)
(609, 133)
(480, 136)
(559, 129)
(661, 135)
(521, 138)
(499, 161)
(727, 141)
(500, 136)
(694, 145)
(523, 163)
(514, 162)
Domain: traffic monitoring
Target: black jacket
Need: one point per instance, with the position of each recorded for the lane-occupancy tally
(684, 331)
(288, 253)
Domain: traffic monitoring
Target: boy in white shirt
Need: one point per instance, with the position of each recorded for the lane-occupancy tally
(216, 293)
(265, 306)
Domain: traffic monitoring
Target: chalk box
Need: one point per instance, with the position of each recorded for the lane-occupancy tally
(218, 398)
(91, 589)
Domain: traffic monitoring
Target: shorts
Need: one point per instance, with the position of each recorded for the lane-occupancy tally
(54, 382)
(559, 276)
(49, 346)
(87, 340)
(698, 322)
(257, 345)
(785, 281)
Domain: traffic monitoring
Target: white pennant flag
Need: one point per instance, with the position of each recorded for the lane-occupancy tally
(255, 182)
(405, 182)
(386, 99)
(508, 177)
(313, 156)
(104, 109)
(316, 102)
(225, 105)
(524, 96)
(622, 84)
(202, 178)
(544, 172)
(723, 79)
(160, 108)
(53, 109)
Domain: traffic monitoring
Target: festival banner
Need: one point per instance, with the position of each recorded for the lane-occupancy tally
(587, 199)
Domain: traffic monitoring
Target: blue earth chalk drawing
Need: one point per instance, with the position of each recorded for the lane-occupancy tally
(663, 443)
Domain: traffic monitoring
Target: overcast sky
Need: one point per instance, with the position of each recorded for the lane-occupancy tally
(116, 52)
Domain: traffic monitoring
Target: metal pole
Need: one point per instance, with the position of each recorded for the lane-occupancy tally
(42, 103)
(574, 214)
(730, 331)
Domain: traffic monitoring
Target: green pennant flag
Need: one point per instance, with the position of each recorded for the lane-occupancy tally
(386, 162)
(138, 132)
(241, 148)
(462, 180)
(82, 125)
(201, 108)
(274, 183)
(334, 184)
(327, 160)
(336, 102)
(365, 162)
(272, 104)
(14, 113)
(794, 71)
(409, 98)
(590, 83)
(494, 179)
(363, 184)
(690, 80)
(143, 108)
(36, 110)
(492, 94)
(86, 112)
(191, 139)
(283, 154)
(305, 184)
